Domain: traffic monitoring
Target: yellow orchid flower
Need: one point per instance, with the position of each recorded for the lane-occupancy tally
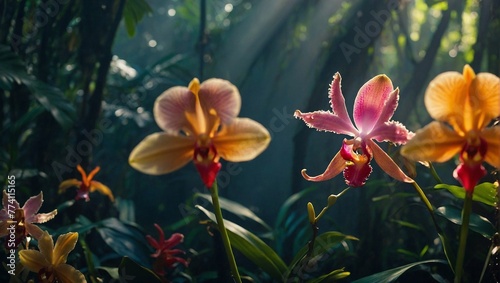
(86, 185)
(463, 105)
(200, 124)
(50, 262)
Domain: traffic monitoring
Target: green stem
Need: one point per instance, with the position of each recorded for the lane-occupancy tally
(434, 173)
(225, 238)
(464, 229)
(442, 237)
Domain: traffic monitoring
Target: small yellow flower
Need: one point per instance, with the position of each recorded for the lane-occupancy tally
(50, 262)
(86, 185)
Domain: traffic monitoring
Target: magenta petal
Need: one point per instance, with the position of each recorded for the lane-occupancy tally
(31, 207)
(327, 121)
(469, 176)
(391, 131)
(337, 101)
(356, 174)
(390, 106)
(370, 103)
(334, 168)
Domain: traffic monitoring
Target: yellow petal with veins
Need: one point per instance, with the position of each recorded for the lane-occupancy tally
(64, 245)
(46, 245)
(485, 99)
(242, 140)
(33, 260)
(434, 142)
(445, 100)
(68, 274)
(161, 153)
(492, 137)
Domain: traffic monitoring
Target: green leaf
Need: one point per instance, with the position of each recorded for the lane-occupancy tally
(484, 192)
(477, 223)
(125, 239)
(133, 12)
(393, 274)
(131, 272)
(252, 247)
(332, 276)
(237, 209)
(12, 71)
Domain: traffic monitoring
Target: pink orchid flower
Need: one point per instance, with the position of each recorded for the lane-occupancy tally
(21, 218)
(374, 106)
(164, 254)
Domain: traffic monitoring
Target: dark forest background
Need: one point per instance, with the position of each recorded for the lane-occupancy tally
(78, 80)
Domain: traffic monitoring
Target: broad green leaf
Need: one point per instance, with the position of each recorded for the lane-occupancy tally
(237, 209)
(484, 192)
(393, 274)
(125, 239)
(133, 12)
(131, 272)
(477, 223)
(252, 247)
(332, 276)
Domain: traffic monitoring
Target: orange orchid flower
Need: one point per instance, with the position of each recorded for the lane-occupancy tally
(200, 123)
(463, 105)
(86, 185)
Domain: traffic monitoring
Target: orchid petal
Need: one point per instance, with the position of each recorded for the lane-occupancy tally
(387, 164)
(33, 260)
(92, 174)
(241, 140)
(9, 203)
(445, 100)
(34, 230)
(485, 99)
(389, 107)
(356, 174)
(492, 138)
(46, 246)
(328, 122)
(221, 96)
(68, 274)
(64, 245)
(392, 132)
(31, 206)
(66, 184)
(170, 109)
(161, 153)
(434, 142)
(174, 240)
(43, 217)
(337, 102)
(334, 168)
(101, 188)
(370, 101)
